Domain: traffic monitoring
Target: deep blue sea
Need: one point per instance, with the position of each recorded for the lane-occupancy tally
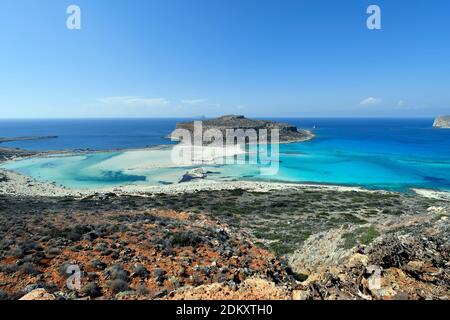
(394, 154)
(89, 134)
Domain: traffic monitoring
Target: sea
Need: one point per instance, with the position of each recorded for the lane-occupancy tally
(375, 153)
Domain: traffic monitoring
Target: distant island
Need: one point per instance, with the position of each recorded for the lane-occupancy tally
(287, 132)
(442, 122)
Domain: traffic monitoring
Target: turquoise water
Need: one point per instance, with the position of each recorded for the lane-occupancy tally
(394, 154)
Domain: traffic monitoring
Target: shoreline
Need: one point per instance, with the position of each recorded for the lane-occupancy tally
(16, 184)
(20, 184)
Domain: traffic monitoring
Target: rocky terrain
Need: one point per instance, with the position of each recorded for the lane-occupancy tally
(287, 132)
(442, 122)
(298, 243)
(125, 250)
(409, 260)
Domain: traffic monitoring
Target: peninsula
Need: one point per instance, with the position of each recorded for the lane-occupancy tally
(2, 140)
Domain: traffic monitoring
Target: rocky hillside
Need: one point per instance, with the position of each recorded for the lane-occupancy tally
(309, 243)
(288, 132)
(126, 251)
(408, 260)
(442, 122)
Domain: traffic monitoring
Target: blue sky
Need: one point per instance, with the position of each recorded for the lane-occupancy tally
(261, 58)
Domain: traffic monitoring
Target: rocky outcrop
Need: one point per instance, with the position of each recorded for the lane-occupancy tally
(442, 122)
(38, 294)
(197, 173)
(408, 261)
(250, 289)
(287, 132)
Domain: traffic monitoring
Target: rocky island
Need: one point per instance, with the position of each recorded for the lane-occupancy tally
(287, 132)
(442, 122)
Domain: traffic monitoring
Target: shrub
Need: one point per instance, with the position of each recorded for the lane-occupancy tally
(29, 268)
(73, 234)
(91, 290)
(237, 192)
(300, 276)
(116, 272)
(3, 295)
(364, 236)
(53, 252)
(29, 246)
(140, 271)
(159, 272)
(280, 248)
(118, 285)
(99, 265)
(185, 239)
(9, 268)
(16, 252)
(142, 290)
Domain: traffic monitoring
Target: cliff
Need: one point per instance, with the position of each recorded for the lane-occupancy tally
(287, 132)
(442, 122)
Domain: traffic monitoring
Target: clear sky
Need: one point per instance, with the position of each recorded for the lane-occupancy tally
(261, 58)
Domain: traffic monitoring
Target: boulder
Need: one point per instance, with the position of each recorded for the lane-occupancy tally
(38, 294)
(197, 173)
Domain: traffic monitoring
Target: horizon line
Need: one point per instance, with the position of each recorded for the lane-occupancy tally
(205, 117)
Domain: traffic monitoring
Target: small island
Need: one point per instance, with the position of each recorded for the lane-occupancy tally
(442, 122)
(287, 132)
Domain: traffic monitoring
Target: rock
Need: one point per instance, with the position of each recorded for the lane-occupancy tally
(197, 173)
(442, 122)
(160, 294)
(126, 295)
(436, 210)
(31, 287)
(300, 295)
(38, 294)
(251, 289)
(357, 259)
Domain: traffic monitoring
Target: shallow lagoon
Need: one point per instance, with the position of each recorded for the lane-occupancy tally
(376, 153)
